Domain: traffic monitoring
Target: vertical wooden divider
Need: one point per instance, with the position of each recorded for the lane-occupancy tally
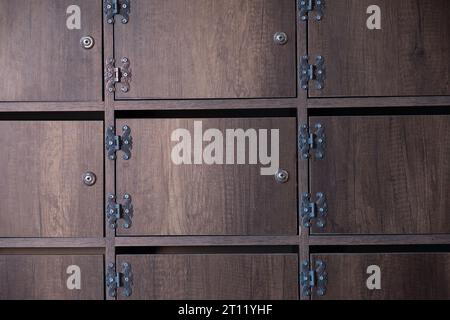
(110, 172)
(303, 167)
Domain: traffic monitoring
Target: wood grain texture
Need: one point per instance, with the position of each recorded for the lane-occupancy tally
(367, 102)
(171, 199)
(44, 277)
(407, 57)
(180, 241)
(385, 174)
(52, 243)
(216, 276)
(187, 49)
(385, 239)
(42, 191)
(403, 276)
(42, 60)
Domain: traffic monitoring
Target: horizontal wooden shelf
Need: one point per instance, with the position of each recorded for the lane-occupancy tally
(206, 104)
(50, 106)
(360, 240)
(363, 102)
(52, 243)
(166, 241)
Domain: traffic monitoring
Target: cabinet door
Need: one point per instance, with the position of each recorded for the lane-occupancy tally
(386, 276)
(408, 56)
(170, 198)
(42, 58)
(213, 276)
(55, 277)
(43, 191)
(186, 49)
(385, 174)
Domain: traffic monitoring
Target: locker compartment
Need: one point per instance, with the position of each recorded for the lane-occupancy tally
(52, 178)
(194, 49)
(212, 276)
(51, 277)
(384, 174)
(42, 52)
(408, 56)
(393, 276)
(209, 198)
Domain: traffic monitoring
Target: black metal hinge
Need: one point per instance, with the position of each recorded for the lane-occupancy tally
(312, 72)
(312, 141)
(119, 211)
(313, 210)
(117, 7)
(313, 279)
(116, 280)
(120, 75)
(115, 143)
(307, 6)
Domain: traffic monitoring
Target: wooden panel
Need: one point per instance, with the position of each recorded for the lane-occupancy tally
(42, 191)
(385, 174)
(216, 199)
(402, 276)
(217, 276)
(208, 49)
(42, 60)
(45, 277)
(409, 56)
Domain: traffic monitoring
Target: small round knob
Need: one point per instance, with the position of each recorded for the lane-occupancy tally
(87, 42)
(280, 38)
(89, 178)
(282, 176)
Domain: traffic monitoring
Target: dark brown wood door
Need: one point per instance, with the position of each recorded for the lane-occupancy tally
(386, 276)
(385, 174)
(209, 199)
(408, 56)
(51, 277)
(42, 59)
(42, 189)
(186, 49)
(213, 276)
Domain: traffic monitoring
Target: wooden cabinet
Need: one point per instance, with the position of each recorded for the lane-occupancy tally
(209, 198)
(194, 49)
(408, 56)
(213, 276)
(43, 166)
(384, 174)
(51, 277)
(41, 53)
(386, 276)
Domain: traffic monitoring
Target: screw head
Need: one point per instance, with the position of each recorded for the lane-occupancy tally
(126, 196)
(110, 21)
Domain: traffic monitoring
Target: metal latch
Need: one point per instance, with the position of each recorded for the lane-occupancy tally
(120, 75)
(316, 278)
(310, 72)
(306, 6)
(115, 143)
(115, 280)
(116, 211)
(117, 7)
(308, 141)
(314, 210)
